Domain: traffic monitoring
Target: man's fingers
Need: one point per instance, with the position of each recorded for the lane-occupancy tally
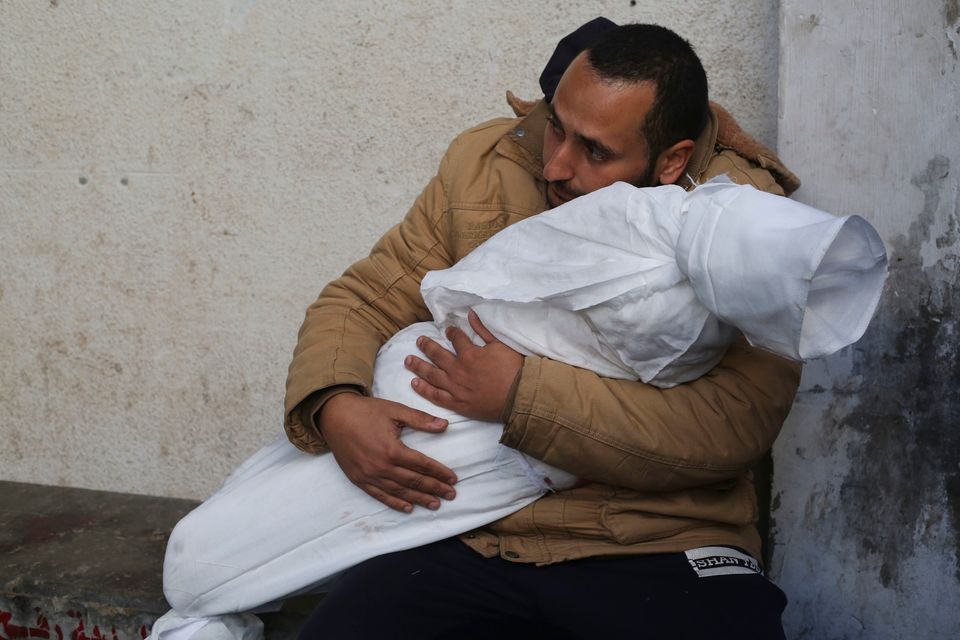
(413, 496)
(405, 487)
(481, 330)
(425, 484)
(393, 502)
(461, 342)
(435, 376)
(433, 384)
(437, 354)
(416, 419)
(425, 465)
(437, 396)
(374, 458)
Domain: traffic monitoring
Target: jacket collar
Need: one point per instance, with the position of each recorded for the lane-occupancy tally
(524, 142)
(703, 149)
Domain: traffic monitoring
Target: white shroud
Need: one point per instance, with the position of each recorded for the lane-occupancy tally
(632, 283)
(650, 283)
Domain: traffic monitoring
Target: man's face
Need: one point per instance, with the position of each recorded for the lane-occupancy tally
(594, 134)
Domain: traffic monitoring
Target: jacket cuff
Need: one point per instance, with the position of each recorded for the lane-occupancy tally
(517, 433)
(310, 408)
(511, 397)
(309, 412)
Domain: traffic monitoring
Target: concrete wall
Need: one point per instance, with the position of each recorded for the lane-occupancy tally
(867, 473)
(179, 179)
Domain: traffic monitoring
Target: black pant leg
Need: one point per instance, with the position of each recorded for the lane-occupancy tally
(441, 590)
(658, 597)
(446, 590)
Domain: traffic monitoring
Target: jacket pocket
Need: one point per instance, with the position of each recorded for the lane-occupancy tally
(630, 526)
(631, 517)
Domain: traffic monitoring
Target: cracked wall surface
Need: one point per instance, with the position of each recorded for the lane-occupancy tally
(866, 490)
(178, 180)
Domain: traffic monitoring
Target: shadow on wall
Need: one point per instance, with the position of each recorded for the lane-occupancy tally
(908, 372)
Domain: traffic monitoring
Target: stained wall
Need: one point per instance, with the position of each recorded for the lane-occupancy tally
(866, 505)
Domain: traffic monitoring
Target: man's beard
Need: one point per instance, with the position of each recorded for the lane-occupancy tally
(647, 179)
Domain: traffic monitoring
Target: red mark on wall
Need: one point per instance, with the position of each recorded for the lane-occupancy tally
(9, 631)
(41, 628)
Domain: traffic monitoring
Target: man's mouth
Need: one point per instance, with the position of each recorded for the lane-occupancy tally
(557, 195)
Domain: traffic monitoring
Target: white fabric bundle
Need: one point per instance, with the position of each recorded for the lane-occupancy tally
(795, 280)
(631, 283)
(650, 283)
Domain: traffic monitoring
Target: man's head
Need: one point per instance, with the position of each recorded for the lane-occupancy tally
(628, 109)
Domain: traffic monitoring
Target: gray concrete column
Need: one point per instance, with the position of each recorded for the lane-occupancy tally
(866, 503)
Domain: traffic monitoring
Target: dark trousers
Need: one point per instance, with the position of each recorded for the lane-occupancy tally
(446, 590)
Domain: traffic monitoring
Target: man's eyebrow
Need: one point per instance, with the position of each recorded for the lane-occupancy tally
(590, 143)
(553, 113)
(597, 146)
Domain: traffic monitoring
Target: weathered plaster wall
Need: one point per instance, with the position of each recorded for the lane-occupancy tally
(179, 179)
(867, 473)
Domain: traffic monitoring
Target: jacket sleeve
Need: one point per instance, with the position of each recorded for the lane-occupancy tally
(356, 313)
(638, 436)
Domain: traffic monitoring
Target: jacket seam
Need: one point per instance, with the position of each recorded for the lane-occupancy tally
(495, 206)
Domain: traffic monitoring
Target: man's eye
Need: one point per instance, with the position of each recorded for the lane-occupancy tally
(554, 125)
(599, 156)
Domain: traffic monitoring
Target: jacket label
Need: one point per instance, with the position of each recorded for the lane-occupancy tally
(473, 234)
(707, 562)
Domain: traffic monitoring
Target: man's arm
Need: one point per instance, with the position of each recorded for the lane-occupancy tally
(619, 432)
(356, 313)
(327, 404)
(635, 435)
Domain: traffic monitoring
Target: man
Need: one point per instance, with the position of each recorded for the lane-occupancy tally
(660, 541)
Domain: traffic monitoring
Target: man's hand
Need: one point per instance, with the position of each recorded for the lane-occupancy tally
(475, 381)
(364, 436)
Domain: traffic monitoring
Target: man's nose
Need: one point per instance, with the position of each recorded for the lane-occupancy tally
(558, 167)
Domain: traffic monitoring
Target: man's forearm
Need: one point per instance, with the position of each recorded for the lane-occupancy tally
(634, 435)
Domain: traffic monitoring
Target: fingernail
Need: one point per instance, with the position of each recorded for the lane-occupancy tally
(452, 480)
(434, 505)
(450, 495)
(408, 508)
(420, 341)
(415, 382)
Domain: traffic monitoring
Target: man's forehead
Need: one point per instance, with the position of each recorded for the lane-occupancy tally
(611, 113)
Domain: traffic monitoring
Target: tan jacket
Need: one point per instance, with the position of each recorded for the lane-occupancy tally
(668, 469)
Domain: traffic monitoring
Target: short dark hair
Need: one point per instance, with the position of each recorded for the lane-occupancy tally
(655, 54)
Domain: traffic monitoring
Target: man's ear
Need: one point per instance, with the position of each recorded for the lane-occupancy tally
(672, 162)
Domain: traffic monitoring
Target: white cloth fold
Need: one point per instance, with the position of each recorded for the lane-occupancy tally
(631, 283)
(234, 626)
